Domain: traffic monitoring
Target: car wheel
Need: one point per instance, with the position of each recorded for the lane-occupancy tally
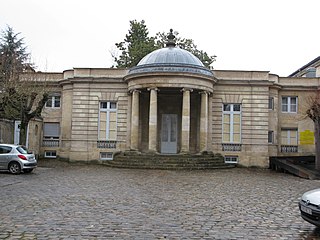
(27, 170)
(15, 168)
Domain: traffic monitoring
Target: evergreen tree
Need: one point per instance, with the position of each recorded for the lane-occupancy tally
(135, 46)
(186, 44)
(20, 99)
(13, 55)
(138, 44)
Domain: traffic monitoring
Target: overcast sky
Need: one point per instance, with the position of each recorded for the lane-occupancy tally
(278, 36)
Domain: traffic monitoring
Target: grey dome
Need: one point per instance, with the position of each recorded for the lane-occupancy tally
(171, 59)
(171, 55)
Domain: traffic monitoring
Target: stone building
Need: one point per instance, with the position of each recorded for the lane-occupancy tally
(170, 104)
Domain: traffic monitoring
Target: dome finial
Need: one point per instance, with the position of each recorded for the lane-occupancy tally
(171, 42)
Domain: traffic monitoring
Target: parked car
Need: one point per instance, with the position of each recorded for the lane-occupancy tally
(16, 159)
(309, 206)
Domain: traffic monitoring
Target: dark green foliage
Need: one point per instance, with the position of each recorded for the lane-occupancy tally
(137, 44)
(186, 44)
(13, 55)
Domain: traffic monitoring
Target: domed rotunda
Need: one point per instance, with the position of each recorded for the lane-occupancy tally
(170, 101)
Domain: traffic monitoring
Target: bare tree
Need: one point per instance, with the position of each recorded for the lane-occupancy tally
(313, 113)
(22, 97)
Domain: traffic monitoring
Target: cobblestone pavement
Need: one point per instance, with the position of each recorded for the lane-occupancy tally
(67, 201)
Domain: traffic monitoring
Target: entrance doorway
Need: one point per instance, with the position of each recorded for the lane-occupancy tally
(169, 133)
(16, 139)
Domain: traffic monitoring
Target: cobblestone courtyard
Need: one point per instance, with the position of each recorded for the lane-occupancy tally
(66, 201)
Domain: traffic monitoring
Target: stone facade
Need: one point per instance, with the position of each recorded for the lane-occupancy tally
(6, 131)
(247, 116)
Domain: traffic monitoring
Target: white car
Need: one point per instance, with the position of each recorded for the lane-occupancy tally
(16, 159)
(309, 206)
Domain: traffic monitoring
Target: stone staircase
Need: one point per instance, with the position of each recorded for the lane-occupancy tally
(132, 159)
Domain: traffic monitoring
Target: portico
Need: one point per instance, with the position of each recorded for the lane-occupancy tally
(166, 89)
(168, 121)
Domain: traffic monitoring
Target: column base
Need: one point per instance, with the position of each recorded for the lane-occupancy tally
(151, 152)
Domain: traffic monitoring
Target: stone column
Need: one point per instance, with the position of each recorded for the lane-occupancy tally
(135, 120)
(185, 124)
(204, 122)
(153, 116)
(129, 115)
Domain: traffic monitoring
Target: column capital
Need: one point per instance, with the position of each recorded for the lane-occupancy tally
(186, 89)
(153, 88)
(134, 90)
(204, 92)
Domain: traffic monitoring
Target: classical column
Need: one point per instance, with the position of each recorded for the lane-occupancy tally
(135, 120)
(204, 122)
(153, 119)
(185, 124)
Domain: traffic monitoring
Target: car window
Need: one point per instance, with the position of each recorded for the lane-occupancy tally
(5, 149)
(26, 149)
(22, 150)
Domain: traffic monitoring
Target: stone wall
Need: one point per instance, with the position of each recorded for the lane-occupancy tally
(6, 131)
(83, 89)
(254, 121)
(85, 114)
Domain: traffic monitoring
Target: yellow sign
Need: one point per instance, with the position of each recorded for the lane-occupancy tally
(306, 137)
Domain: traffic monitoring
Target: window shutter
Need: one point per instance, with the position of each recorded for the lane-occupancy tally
(51, 130)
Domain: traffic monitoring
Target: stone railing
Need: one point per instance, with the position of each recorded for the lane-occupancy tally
(231, 147)
(50, 143)
(289, 148)
(107, 144)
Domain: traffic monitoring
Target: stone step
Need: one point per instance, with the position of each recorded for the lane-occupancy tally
(163, 161)
(174, 162)
(169, 167)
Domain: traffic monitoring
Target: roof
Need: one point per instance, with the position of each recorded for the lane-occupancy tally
(171, 59)
(304, 67)
(171, 55)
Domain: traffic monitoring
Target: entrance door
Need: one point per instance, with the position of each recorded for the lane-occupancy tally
(169, 133)
(16, 139)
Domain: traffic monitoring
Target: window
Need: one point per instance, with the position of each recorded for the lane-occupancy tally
(5, 149)
(50, 154)
(23, 150)
(108, 121)
(108, 105)
(271, 103)
(231, 159)
(231, 132)
(51, 134)
(270, 136)
(51, 130)
(289, 137)
(289, 104)
(106, 156)
(289, 140)
(53, 101)
(311, 72)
